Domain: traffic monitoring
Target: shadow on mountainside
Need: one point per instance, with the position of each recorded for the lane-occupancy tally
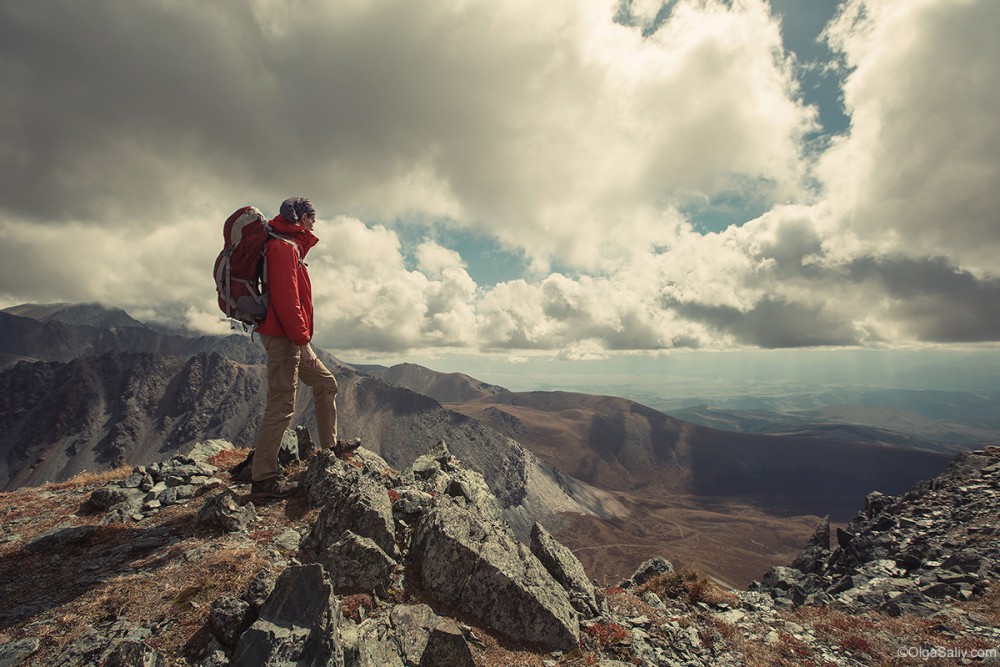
(795, 475)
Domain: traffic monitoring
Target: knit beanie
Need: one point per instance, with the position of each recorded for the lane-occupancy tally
(293, 208)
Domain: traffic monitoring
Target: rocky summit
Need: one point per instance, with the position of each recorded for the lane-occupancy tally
(170, 564)
(907, 554)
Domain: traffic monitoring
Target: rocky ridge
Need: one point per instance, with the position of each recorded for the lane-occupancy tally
(170, 564)
(910, 554)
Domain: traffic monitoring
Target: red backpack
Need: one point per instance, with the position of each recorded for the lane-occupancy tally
(242, 264)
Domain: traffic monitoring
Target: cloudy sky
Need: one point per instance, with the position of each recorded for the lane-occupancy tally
(575, 179)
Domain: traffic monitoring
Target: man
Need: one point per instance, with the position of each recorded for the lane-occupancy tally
(285, 332)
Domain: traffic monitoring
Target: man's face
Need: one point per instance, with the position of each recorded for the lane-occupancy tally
(309, 220)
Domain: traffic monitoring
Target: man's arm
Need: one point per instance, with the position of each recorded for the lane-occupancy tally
(283, 283)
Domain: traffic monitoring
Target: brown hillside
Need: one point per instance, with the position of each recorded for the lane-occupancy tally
(732, 504)
(442, 387)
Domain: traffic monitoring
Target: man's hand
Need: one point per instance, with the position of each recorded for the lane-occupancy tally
(307, 357)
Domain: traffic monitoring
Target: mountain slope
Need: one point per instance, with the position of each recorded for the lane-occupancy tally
(57, 419)
(620, 445)
(442, 387)
(28, 339)
(94, 413)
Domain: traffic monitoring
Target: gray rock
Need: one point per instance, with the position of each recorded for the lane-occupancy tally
(480, 569)
(297, 624)
(16, 652)
(446, 647)
(200, 452)
(439, 473)
(289, 451)
(653, 567)
(131, 653)
(135, 480)
(566, 569)
(412, 501)
(375, 645)
(175, 494)
(817, 550)
(120, 513)
(228, 618)
(216, 657)
(259, 589)
(224, 512)
(109, 496)
(413, 625)
(62, 537)
(350, 501)
(305, 443)
(96, 644)
(357, 564)
(288, 539)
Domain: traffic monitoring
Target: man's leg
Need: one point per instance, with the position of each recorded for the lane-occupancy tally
(282, 376)
(324, 388)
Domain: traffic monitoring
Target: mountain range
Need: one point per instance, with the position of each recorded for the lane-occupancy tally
(86, 387)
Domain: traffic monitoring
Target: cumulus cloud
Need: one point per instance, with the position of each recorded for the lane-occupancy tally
(918, 174)
(579, 135)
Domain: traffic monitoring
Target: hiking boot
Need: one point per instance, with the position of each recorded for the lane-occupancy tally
(271, 488)
(344, 447)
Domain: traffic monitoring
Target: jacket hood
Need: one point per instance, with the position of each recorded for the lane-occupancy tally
(302, 236)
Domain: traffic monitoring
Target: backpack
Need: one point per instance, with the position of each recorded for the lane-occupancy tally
(241, 266)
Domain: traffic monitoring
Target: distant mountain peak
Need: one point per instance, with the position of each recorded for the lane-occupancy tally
(90, 314)
(442, 387)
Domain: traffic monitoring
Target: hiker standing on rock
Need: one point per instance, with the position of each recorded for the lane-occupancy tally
(285, 332)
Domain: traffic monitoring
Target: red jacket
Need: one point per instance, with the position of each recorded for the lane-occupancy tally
(290, 311)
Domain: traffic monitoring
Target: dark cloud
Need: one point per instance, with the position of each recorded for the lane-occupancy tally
(109, 108)
(771, 323)
(931, 299)
(940, 302)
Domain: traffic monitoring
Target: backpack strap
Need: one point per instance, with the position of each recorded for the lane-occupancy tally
(263, 252)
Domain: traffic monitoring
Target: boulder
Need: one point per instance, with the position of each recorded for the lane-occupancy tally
(357, 564)
(816, 551)
(446, 647)
(567, 569)
(413, 625)
(479, 568)
(259, 589)
(351, 501)
(131, 653)
(297, 624)
(654, 567)
(60, 538)
(223, 512)
(110, 496)
(16, 652)
(372, 644)
(438, 473)
(228, 618)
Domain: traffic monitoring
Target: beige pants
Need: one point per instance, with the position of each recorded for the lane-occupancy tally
(283, 371)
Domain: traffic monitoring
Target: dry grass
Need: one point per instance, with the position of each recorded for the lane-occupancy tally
(122, 571)
(493, 651)
(689, 585)
(877, 639)
(989, 604)
(87, 478)
(229, 458)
